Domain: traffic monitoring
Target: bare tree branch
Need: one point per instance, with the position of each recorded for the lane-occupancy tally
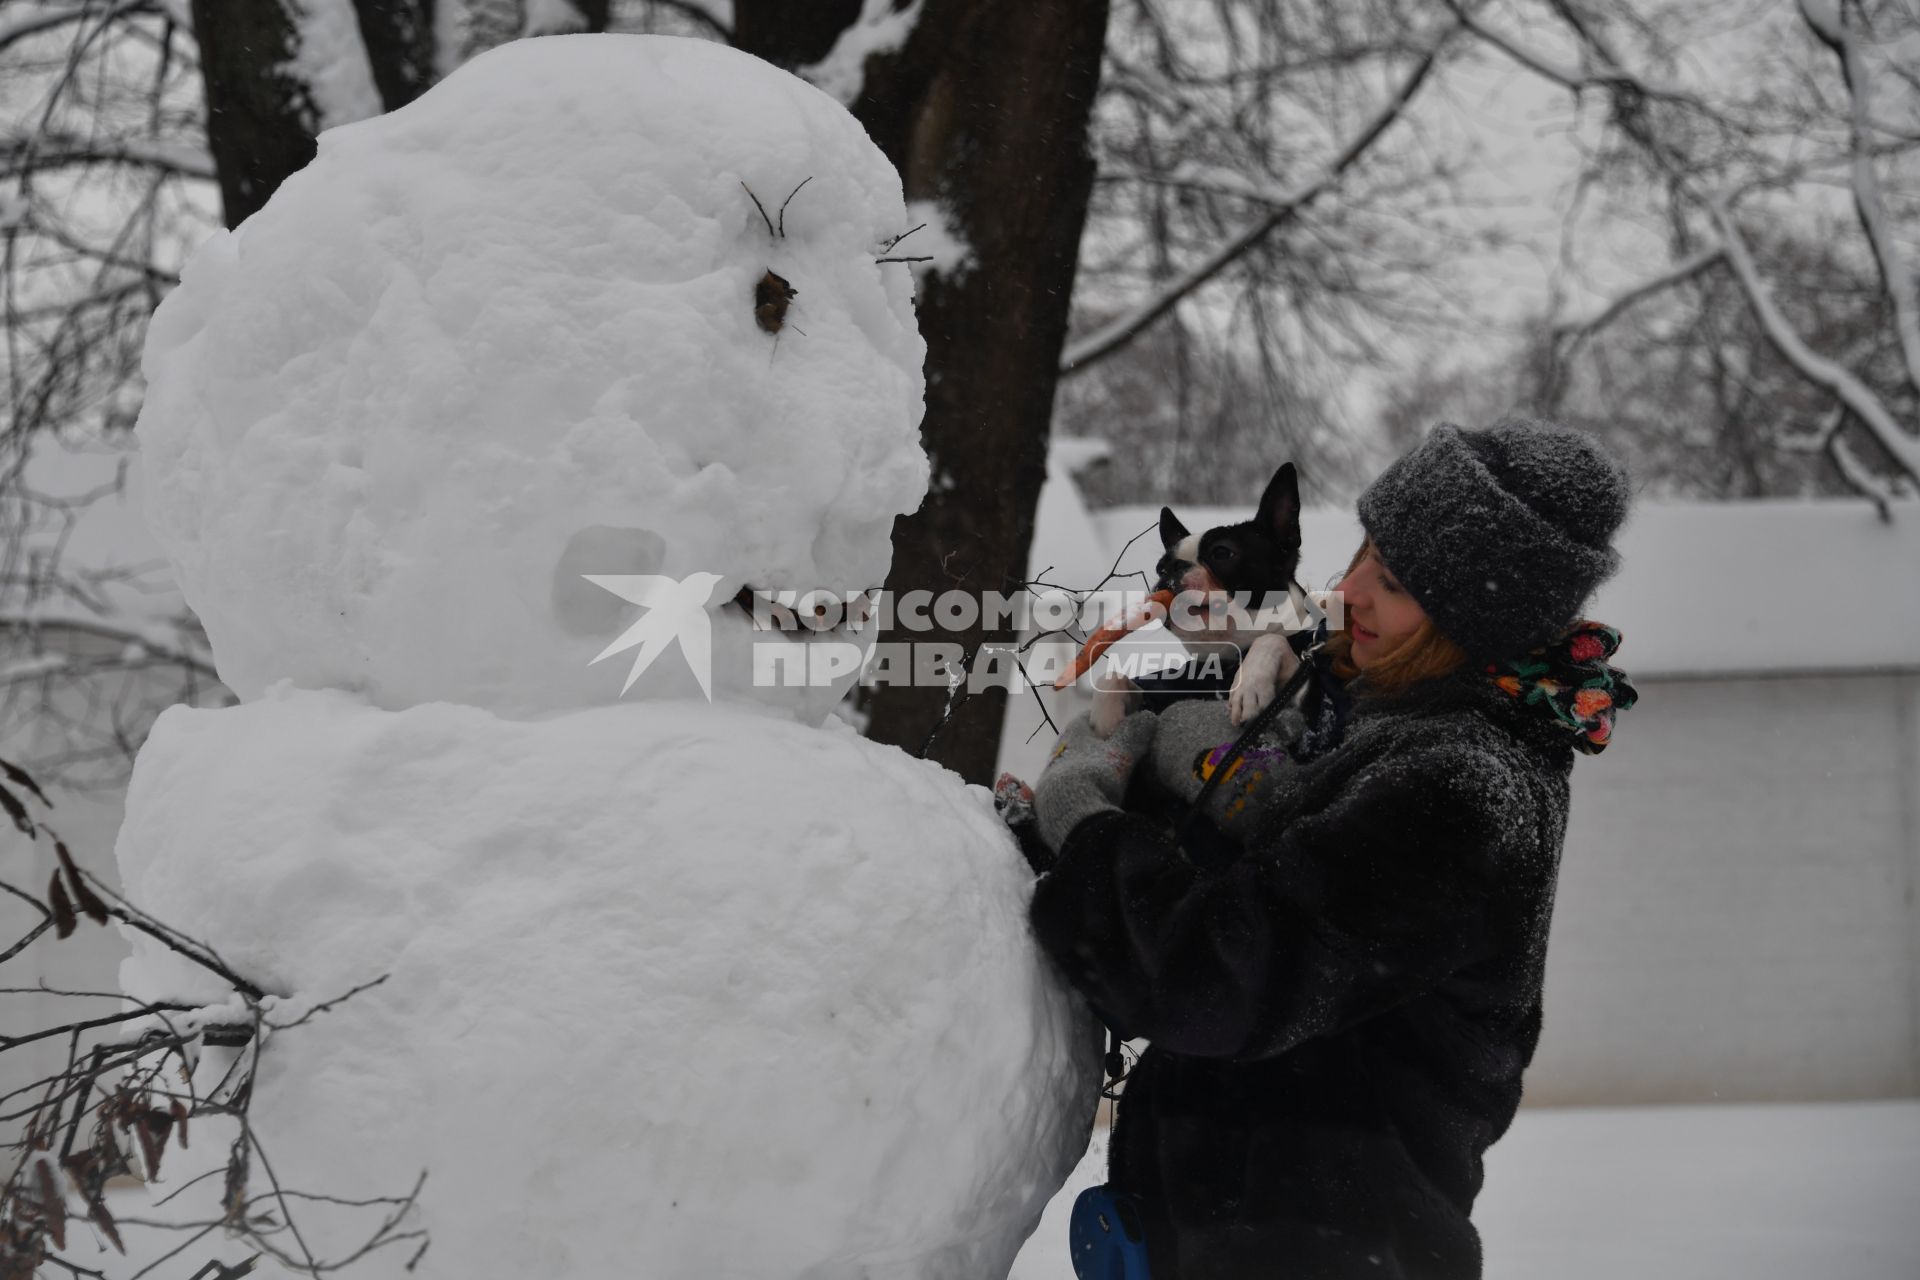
(1855, 394)
(1686, 269)
(1903, 288)
(125, 638)
(700, 13)
(59, 151)
(114, 1102)
(1700, 175)
(32, 19)
(1285, 206)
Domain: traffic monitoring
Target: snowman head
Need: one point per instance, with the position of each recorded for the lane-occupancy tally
(594, 307)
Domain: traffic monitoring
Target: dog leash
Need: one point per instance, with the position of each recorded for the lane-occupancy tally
(1255, 727)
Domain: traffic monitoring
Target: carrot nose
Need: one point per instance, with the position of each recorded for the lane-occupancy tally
(1109, 632)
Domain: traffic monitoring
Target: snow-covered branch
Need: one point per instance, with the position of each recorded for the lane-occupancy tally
(1283, 205)
(880, 29)
(1827, 438)
(1859, 398)
(330, 62)
(1827, 20)
(129, 646)
(1882, 492)
(128, 1088)
(1606, 75)
(1684, 270)
(701, 13)
(1693, 165)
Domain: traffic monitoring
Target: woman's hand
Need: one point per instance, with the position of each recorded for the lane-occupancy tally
(1088, 774)
(1191, 741)
(1187, 733)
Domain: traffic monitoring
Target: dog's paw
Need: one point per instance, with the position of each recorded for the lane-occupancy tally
(1270, 663)
(1246, 698)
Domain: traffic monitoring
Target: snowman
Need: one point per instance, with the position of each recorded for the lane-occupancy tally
(674, 974)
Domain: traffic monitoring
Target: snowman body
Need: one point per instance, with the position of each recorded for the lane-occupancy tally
(667, 984)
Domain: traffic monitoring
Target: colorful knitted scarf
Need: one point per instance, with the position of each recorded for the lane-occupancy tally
(1570, 679)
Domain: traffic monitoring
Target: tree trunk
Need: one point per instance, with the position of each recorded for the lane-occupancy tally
(986, 110)
(399, 39)
(260, 118)
(790, 35)
(596, 12)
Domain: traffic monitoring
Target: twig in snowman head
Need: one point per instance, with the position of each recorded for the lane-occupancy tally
(789, 200)
(756, 204)
(888, 246)
(779, 232)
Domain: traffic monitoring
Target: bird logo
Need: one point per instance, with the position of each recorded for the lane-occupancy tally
(676, 609)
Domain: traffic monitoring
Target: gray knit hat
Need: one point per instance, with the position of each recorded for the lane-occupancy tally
(1501, 534)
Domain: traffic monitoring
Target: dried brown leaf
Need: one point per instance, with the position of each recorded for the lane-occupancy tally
(53, 1204)
(82, 891)
(180, 1118)
(151, 1127)
(22, 1250)
(64, 920)
(17, 811)
(104, 1220)
(21, 778)
(113, 1161)
(234, 1198)
(39, 1126)
(83, 1167)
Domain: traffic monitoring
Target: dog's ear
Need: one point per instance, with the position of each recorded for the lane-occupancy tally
(1280, 506)
(1171, 530)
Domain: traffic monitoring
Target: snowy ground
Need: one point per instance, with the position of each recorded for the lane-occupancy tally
(1687, 1193)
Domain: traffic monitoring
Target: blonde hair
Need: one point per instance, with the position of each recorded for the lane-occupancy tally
(1424, 655)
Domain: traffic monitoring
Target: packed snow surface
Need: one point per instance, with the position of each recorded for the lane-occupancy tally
(506, 337)
(1717, 1192)
(660, 987)
(676, 990)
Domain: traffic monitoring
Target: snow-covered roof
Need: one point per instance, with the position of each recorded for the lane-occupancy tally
(1705, 588)
(1067, 548)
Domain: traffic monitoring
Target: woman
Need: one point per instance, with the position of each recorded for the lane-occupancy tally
(1339, 1017)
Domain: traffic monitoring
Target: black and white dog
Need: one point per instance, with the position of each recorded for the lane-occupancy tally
(1254, 562)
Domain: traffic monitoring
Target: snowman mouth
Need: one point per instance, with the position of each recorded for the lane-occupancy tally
(764, 612)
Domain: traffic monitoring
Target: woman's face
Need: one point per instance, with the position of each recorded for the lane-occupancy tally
(1381, 616)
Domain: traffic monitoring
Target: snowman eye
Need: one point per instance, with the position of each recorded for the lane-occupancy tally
(772, 293)
(771, 297)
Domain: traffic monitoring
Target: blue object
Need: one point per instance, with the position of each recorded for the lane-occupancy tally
(1105, 1237)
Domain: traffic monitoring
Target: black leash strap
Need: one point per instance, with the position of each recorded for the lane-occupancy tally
(1255, 727)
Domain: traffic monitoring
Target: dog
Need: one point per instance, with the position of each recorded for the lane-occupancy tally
(1254, 562)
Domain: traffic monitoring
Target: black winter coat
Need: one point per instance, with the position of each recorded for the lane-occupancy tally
(1340, 1016)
